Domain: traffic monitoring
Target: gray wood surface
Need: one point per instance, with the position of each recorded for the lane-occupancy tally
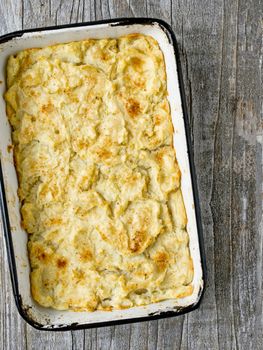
(220, 44)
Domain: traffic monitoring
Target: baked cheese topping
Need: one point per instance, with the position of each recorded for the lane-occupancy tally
(99, 183)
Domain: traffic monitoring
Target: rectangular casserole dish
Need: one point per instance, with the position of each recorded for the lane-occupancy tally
(16, 237)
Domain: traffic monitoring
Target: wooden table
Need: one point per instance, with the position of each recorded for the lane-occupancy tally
(220, 46)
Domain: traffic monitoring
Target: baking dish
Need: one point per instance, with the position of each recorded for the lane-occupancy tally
(16, 237)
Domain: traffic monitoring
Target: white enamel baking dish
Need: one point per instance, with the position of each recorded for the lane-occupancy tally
(16, 237)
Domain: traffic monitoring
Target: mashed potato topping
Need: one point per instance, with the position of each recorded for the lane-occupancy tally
(99, 183)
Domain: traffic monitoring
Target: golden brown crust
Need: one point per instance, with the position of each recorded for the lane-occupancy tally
(99, 183)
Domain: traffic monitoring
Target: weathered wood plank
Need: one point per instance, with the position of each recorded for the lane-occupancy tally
(199, 34)
(220, 45)
(248, 125)
(12, 16)
(12, 326)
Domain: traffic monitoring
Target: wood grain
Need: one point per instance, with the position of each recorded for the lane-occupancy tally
(220, 44)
